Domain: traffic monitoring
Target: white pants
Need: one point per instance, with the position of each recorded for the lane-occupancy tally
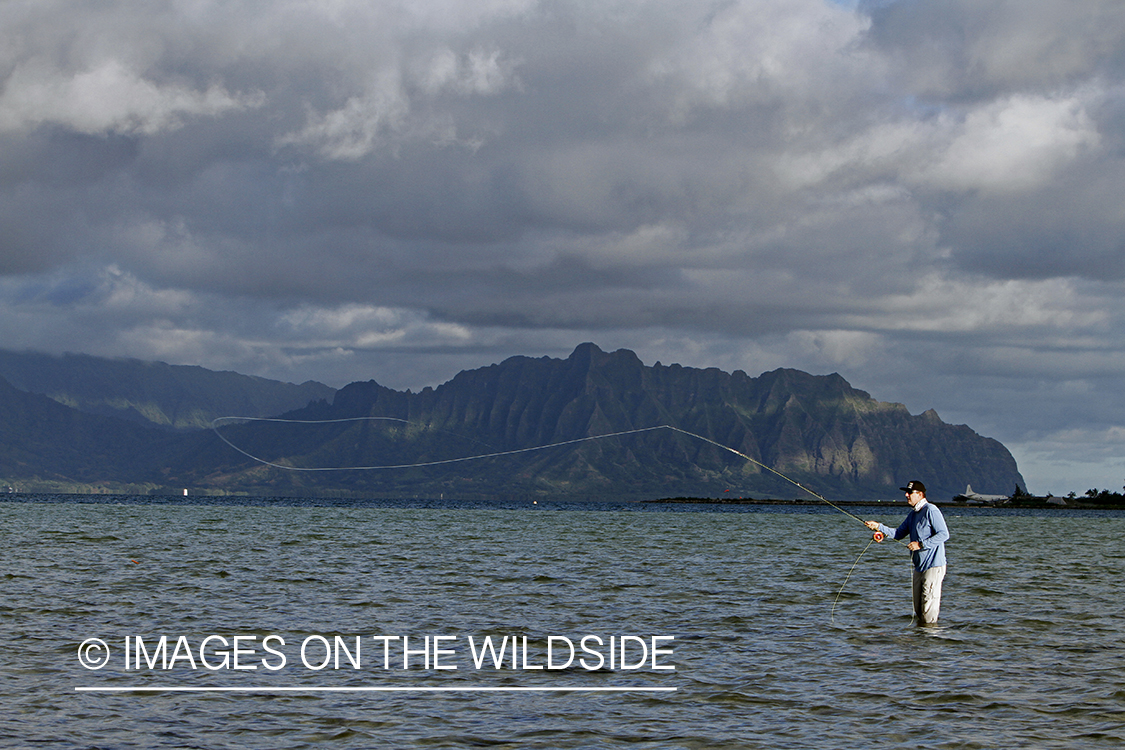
(927, 593)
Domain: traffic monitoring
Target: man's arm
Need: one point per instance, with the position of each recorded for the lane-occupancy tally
(898, 533)
(940, 531)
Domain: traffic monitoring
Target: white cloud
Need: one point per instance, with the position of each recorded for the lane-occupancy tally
(1017, 143)
(836, 348)
(393, 106)
(478, 72)
(948, 305)
(757, 51)
(107, 98)
(356, 326)
(362, 124)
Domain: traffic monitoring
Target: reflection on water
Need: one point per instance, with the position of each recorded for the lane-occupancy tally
(1029, 652)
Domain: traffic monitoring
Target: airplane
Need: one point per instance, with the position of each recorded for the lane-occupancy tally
(975, 497)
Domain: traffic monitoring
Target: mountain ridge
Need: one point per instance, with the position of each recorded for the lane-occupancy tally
(150, 392)
(815, 429)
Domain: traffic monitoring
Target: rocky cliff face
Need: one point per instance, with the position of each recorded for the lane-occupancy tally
(817, 430)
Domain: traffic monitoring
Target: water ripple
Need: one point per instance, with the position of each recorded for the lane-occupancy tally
(1030, 651)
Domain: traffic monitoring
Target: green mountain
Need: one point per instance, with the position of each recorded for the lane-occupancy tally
(42, 439)
(816, 430)
(153, 393)
(592, 425)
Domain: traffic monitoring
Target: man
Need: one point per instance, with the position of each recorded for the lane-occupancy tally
(928, 533)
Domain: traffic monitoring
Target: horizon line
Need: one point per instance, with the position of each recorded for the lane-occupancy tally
(370, 689)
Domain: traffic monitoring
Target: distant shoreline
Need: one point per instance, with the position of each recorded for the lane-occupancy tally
(1010, 504)
(1013, 505)
(757, 501)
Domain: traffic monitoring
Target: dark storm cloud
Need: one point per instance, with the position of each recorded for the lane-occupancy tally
(343, 190)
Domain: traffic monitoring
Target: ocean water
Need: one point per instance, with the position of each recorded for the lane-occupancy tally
(766, 636)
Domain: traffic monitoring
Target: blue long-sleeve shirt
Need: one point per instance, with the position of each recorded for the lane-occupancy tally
(925, 525)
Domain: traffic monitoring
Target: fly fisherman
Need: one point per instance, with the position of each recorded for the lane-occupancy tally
(928, 533)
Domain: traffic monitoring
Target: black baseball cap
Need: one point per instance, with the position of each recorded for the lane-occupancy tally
(914, 485)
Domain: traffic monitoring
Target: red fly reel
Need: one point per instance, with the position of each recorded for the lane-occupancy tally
(878, 536)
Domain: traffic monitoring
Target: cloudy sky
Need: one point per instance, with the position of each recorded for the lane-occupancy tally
(926, 196)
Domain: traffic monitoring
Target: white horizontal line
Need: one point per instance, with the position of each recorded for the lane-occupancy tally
(467, 689)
